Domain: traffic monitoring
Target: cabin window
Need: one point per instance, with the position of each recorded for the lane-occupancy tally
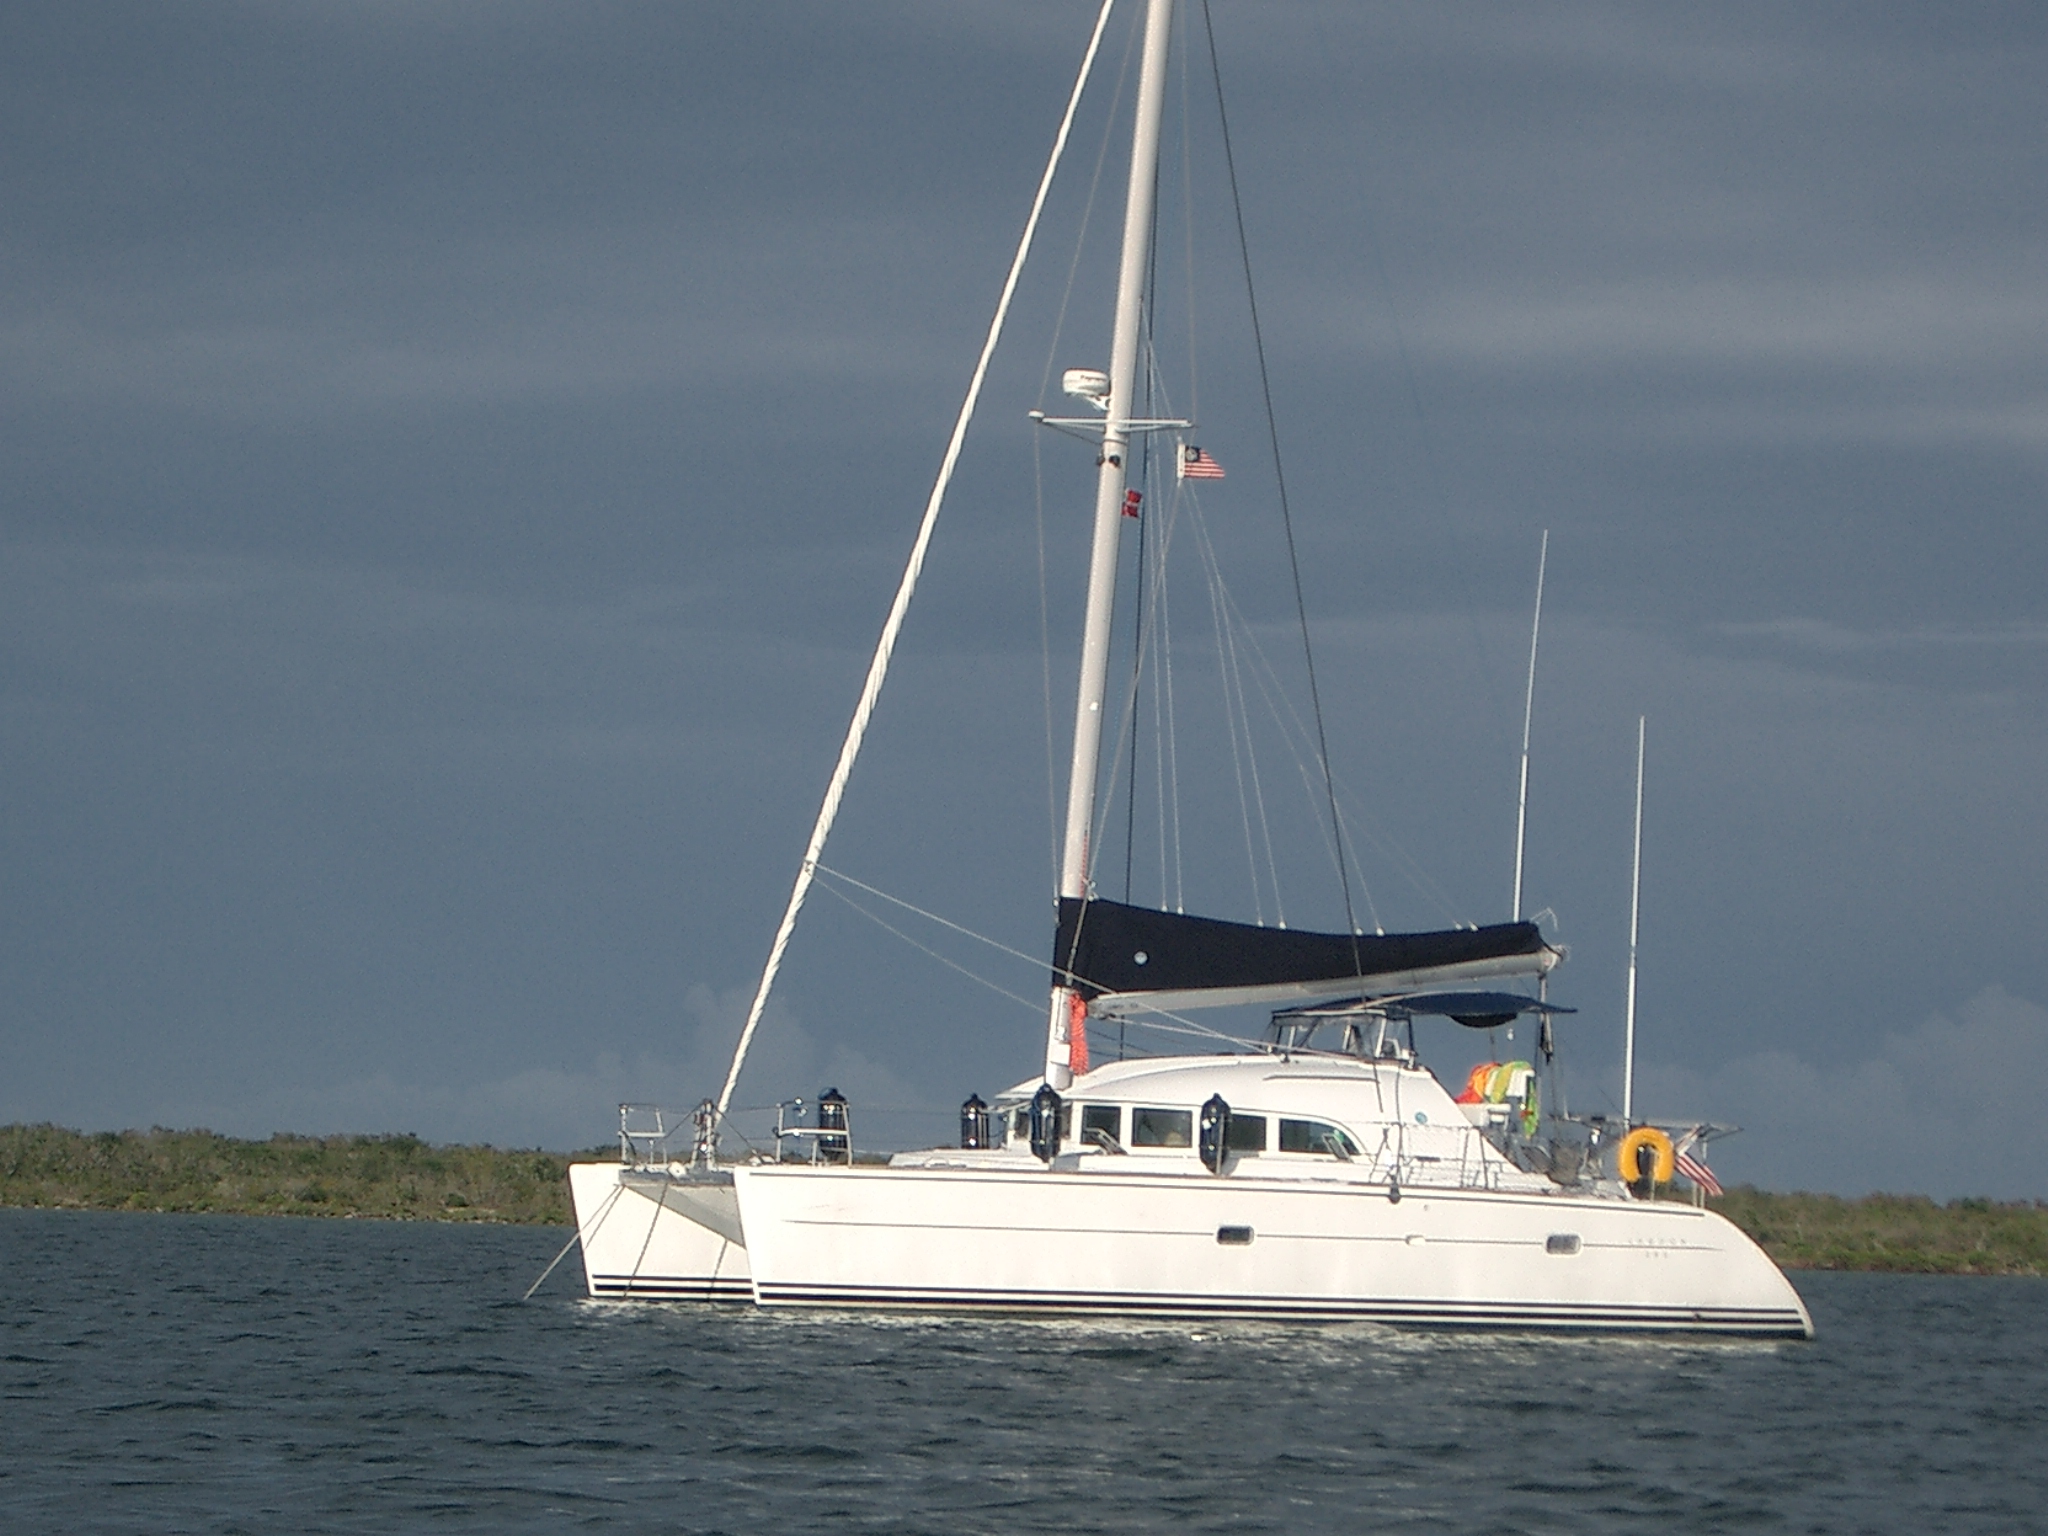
(1247, 1133)
(1162, 1128)
(1020, 1125)
(1315, 1136)
(1100, 1121)
(1066, 1122)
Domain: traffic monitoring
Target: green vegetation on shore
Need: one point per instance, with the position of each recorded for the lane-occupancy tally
(403, 1177)
(396, 1177)
(1900, 1233)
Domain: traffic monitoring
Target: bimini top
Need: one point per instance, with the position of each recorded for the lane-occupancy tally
(1132, 959)
(1474, 1010)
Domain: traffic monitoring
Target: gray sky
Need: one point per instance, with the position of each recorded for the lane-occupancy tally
(458, 457)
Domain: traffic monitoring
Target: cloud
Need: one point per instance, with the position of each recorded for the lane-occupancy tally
(1682, 321)
(293, 335)
(1800, 634)
(266, 661)
(1948, 1107)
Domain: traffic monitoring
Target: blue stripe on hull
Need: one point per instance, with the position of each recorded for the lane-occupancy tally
(669, 1288)
(1497, 1314)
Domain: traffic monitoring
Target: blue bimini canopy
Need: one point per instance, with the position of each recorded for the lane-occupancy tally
(1474, 1010)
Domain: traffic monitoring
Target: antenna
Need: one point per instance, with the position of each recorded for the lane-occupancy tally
(1635, 900)
(1528, 714)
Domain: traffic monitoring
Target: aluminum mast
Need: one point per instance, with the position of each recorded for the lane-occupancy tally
(1065, 1045)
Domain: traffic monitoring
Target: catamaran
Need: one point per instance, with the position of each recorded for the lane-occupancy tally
(1320, 1171)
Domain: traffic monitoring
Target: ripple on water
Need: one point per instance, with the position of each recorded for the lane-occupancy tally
(231, 1374)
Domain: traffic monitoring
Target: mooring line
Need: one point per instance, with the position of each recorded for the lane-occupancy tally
(575, 1238)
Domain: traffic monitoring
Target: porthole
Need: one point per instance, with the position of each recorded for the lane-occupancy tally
(1561, 1242)
(1234, 1237)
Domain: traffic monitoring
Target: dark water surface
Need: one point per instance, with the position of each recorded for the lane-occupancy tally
(190, 1373)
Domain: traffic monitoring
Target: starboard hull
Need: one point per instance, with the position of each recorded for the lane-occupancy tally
(1138, 1245)
(648, 1237)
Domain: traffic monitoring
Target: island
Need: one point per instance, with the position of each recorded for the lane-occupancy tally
(402, 1178)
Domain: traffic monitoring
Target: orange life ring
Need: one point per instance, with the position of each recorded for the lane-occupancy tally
(1629, 1159)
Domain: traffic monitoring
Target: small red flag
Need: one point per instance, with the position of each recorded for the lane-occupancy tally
(1131, 500)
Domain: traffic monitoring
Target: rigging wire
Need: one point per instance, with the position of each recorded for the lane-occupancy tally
(1437, 478)
(1395, 852)
(1052, 804)
(899, 606)
(1244, 713)
(1294, 730)
(1237, 715)
(1138, 611)
(1137, 669)
(943, 922)
(1279, 473)
(1180, 1023)
(1165, 687)
(1231, 705)
(1187, 204)
(1159, 716)
(1154, 648)
(1106, 803)
(1036, 1005)
(1052, 807)
(1234, 633)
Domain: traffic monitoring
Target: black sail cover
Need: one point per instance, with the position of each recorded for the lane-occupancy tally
(1107, 948)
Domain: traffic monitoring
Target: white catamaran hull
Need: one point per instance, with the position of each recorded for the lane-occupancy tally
(1089, 1242)
(647, 1236)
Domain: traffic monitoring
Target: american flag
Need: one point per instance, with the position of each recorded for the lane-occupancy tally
(1698, 1172)
(1197, 465)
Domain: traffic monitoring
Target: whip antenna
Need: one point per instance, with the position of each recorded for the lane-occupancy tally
(1528, 715)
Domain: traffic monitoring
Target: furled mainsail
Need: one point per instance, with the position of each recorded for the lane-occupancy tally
(1129, 959)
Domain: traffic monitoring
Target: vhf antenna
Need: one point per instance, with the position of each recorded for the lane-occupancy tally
(1528, 715)
(1635, 899)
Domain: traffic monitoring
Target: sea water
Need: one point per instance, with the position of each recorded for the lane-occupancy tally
(191, 1373)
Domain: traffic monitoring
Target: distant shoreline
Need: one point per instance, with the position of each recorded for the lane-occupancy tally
(404, 1178)
(393, 1177)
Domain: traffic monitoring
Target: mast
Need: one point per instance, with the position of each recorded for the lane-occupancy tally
(1065, 1043)
(1635, 895)
(1528, 715)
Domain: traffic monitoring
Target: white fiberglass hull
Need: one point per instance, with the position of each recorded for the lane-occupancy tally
(649, 1237)
(1026, 1239)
